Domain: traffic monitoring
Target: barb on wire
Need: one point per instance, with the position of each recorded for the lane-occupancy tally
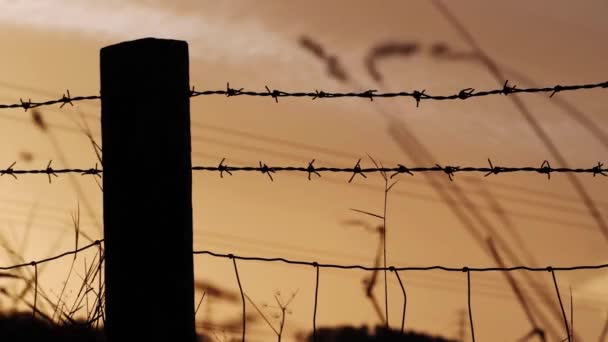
(320, 94)
(545, 167)
(9, 171)
(402, 169)
(465, 93)
(556, 89)
(449, 170)
(493, 170)
(223, 168)
(50, 171)
(370, 93)
(66, 99)
(263, 168)
(232, 91)
(597, 170)
(506, 89)
(274, 94)
(311, 169)
(357, 171)
(25, 104)
(417, 95)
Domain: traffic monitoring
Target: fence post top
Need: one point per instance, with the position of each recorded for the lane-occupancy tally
(146, 42)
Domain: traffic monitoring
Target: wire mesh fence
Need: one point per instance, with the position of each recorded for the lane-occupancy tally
(319, 265)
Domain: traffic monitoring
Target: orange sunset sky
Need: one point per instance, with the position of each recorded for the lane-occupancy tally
(48, 46)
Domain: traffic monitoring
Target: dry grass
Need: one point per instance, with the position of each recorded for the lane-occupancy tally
(280, 317)
(48, 314)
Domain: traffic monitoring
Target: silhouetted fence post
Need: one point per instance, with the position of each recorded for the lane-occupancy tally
(145, 120)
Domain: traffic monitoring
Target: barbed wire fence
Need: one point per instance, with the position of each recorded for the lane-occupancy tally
(311, 170)
(371, 94)
(545, 168)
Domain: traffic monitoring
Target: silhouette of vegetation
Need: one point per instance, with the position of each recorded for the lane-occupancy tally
(23, 327)
(26, 156)
(282, 307)
(387, 49)
(334, 69)
(364, 334)
(415, 148)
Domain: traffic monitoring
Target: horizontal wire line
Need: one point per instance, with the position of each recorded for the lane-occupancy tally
(435, 281)
(406, 268)
(450, 171)
(53, 258)
(317, 94)
(338, 266)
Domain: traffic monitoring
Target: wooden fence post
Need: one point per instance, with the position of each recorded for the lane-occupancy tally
(147, 191)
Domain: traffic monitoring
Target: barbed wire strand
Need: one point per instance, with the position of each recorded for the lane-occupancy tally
(65, 99)
(450, 170)
(49, 171)
(417, 95)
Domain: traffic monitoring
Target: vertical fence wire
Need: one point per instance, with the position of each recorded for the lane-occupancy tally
(33, 263)
(314, 315)
(466, 269)
(561, 305)
(238, 279)
(404, 300)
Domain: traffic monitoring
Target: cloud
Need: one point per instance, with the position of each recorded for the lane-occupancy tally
(212, 37)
